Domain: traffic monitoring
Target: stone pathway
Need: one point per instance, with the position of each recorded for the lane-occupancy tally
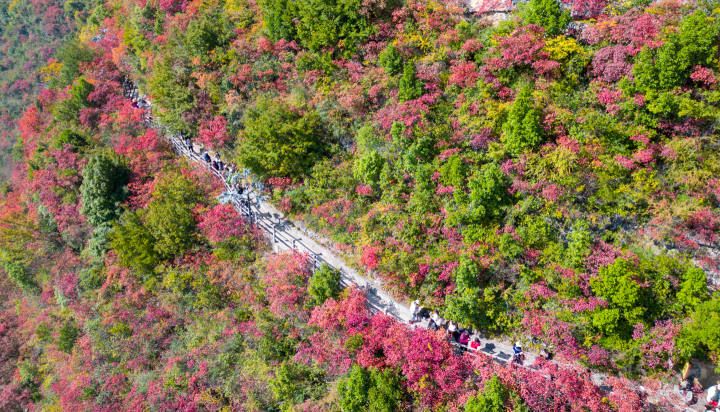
(285, 234)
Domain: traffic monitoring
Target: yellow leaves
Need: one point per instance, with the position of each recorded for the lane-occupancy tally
(121, 329)
(208, 400)
(419, 40)
(51, 71)
(561, 47)
(87, 33)
(13, 5)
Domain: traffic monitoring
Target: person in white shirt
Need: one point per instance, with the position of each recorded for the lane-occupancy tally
(434, 321)
(414, 310)
(713, 393)
(452, 331)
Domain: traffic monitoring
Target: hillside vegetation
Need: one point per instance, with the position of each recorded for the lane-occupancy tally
(551, 177)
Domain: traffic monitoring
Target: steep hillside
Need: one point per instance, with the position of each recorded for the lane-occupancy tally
(548, 176)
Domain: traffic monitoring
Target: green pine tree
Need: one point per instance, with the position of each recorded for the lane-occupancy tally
(548, 14)
(522, 130)
(410, 87)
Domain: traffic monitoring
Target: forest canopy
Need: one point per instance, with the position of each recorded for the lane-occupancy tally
(546, 174)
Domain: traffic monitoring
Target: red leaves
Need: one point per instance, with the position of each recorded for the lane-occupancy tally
(522, 49)
(213, 133)
(370, 257)
(220, 223)
(285, 279)
(462, 74)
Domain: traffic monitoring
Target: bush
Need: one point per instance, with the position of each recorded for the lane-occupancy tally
(548, 14)
(324, 284)
(278, 141)
(170, 217)
(371, 390)
(492, 398)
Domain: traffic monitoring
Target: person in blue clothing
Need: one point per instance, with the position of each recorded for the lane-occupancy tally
(518, 355)
(517, 349)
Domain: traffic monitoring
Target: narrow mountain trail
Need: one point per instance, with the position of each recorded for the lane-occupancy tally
(285, 234)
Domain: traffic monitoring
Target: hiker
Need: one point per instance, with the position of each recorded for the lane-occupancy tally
(206, 157)
(713, 393)
(414, 309)
(464, 338)
(518, 355)
(475, 344)
(545, 354)
(435, 321)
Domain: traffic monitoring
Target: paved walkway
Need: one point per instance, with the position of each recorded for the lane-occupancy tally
(285, 234)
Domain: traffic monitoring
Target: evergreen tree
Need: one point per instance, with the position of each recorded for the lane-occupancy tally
(488, 193)
(492, 398)
(670, 65)
(371, 390)
(391, 60)
(522, 130)
(279, 141)
(410, 87)
(548, 14)
(367, 168)
(103, 187)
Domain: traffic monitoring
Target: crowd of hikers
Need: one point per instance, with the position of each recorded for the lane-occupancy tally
(464, 339)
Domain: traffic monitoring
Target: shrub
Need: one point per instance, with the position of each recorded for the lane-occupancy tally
(170, 217)
(278, 141)
(492, 398)
(324, 284)
(548, 14)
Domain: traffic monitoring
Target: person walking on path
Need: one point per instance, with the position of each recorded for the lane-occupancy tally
(435, 321)
(414, 309)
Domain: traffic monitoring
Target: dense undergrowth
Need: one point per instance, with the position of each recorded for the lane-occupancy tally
(552, 176)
